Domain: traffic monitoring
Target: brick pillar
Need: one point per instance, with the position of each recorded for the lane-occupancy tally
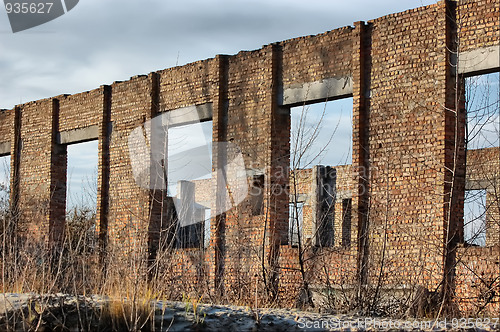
(39, 173)
(58, 176)
(216, 250)
(360, 150)
(133, 103)
(104, 137)
(454, 154)
(15, 160)
(278, 174)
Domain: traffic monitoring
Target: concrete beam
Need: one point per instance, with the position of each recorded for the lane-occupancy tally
(4, 149)
(301, 198)
(479, 61)
(488, 184)
(344, 194)
(188, 115)
(78, 135)
(319, 91)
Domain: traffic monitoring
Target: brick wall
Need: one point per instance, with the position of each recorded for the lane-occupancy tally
(314, 58)
(6, 121)
(192, 84)
(478, 23)
(42, 173)
(404, 209)
(477, 280)
(80, 110)
(478, 267)
(406, 128)
(128, 203)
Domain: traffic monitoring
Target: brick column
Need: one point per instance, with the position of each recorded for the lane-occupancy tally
(360, 147)
(102, 208)
(40, 171)
(216, 250)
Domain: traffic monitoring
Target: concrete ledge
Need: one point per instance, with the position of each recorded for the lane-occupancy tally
(301, 198)
(188, 115)
(320, 91)
(480, 60)
(344, 194)
(78, 135)
(487, 184)
(4, 149)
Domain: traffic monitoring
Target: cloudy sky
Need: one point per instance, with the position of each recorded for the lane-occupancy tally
(99, 42)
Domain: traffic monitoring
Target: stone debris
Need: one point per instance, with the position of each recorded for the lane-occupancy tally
(60, 312)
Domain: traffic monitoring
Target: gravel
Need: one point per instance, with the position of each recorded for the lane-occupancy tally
(60, 312)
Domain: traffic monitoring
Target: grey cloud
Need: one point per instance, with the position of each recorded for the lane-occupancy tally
(102, 41)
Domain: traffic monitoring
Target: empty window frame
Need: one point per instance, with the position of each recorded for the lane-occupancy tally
(321, 133)
(189, 173)
(482, 95)
(475, 217)
(4, 185)
(81, 188)
(191, 216)
(482, 102)
(190, 236)
(81, 194)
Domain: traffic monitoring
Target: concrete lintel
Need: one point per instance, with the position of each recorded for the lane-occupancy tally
(4, 149)
(188, 115)
(251, 172)
(78, 135)
(327, 89)
(479, 60)
(301, 198)
(487, 184)
(344, 194)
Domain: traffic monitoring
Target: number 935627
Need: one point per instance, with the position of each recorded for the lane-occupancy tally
(28, 8)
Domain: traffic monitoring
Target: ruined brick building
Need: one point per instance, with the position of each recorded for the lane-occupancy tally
(398, 208)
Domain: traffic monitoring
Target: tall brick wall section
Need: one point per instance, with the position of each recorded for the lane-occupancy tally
(6, 125)
(406, 135)
(314, 58)
(403, 145)
(478, 268)
(478, 23)
(41, 173)
(81, 110)
(192, 84)
(335, 54)
(249, 124)
(129, 214)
